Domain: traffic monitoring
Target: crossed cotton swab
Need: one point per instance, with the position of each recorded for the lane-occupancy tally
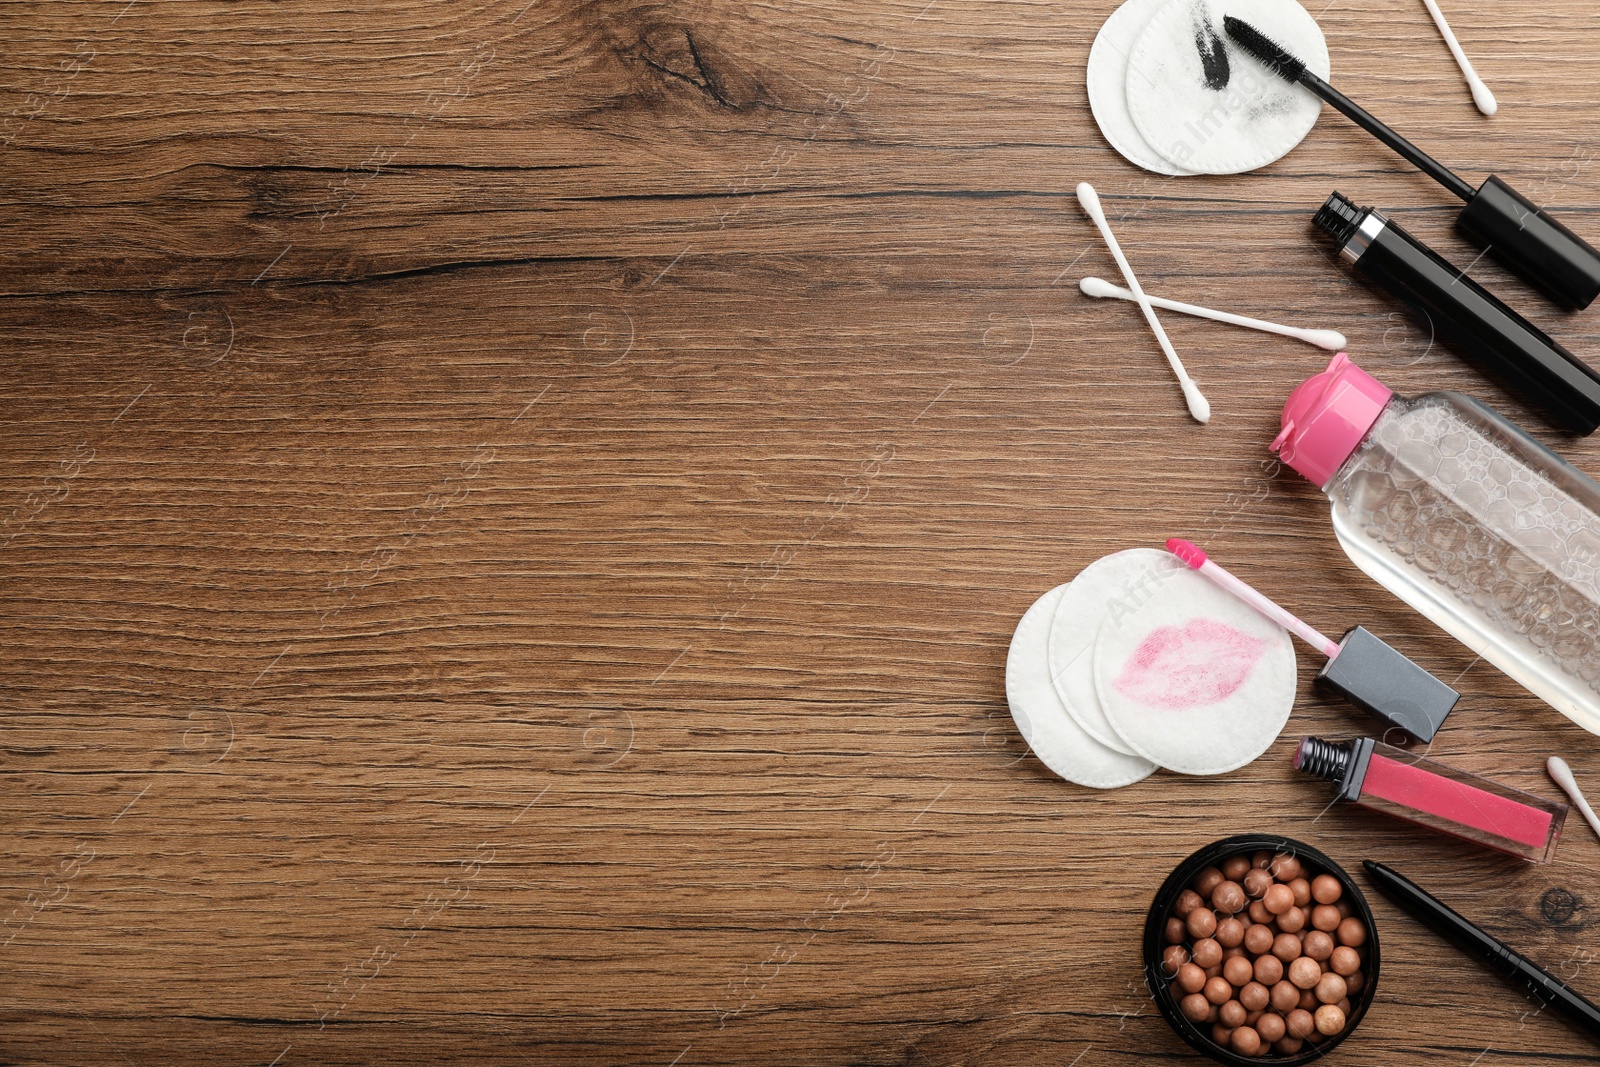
(1480, 92)
(1332, 340)
(1199, 406)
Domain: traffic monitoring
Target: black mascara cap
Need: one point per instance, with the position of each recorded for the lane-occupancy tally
(1556, 260)
(1371, 674)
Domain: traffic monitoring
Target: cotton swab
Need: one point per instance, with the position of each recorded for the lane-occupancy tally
(1332, 340)
(1480, 92)
(1199, 406)
(1562, 774)
(1364, 669)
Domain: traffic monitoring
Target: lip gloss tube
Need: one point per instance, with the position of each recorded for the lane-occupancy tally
(1432, 794)
(1466, 314)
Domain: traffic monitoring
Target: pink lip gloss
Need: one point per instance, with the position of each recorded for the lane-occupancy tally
(1432, 794)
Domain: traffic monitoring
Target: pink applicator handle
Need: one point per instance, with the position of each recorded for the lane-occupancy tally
(1196, 558)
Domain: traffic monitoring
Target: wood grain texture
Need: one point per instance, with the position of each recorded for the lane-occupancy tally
(513, 514)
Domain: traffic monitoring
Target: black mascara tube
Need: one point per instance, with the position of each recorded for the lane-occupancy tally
(1467, 315)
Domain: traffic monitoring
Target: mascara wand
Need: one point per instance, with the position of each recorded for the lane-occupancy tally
(1546, 253)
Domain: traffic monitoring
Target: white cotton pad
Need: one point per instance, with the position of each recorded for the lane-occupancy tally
(1058, 741)
(1107, 82)
(1205, 104)
(1077, 621)
(1191, 678)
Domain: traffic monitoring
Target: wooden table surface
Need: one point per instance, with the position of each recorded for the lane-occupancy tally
(514, 513)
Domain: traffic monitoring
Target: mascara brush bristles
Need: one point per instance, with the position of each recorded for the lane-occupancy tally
(1264, 48)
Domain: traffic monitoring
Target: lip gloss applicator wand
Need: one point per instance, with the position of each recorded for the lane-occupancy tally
(1532, 243)
(1364, 669)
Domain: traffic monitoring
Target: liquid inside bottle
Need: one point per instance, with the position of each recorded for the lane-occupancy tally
(1490, 535)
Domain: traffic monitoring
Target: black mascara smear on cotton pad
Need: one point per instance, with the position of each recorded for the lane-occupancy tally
(1213, 53)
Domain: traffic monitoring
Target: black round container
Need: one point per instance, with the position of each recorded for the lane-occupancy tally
(1155, 941)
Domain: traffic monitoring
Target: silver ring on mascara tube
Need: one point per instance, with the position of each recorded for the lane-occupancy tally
(1362, 239)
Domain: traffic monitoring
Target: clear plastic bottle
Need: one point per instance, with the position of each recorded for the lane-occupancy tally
(1458, 512)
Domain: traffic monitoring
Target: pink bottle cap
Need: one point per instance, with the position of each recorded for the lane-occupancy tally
(1326, 417)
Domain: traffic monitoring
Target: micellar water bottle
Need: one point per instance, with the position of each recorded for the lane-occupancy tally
(1458, 512)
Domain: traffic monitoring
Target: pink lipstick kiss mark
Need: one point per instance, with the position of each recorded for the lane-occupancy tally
(1204, 661)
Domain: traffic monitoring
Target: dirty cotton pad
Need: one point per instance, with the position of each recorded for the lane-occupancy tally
(1107, 82)
(1076, 623)
(1191, 678)
(1205, 104)
(1055, 738)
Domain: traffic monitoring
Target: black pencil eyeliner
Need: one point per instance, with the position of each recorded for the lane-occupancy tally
(1509, 964)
